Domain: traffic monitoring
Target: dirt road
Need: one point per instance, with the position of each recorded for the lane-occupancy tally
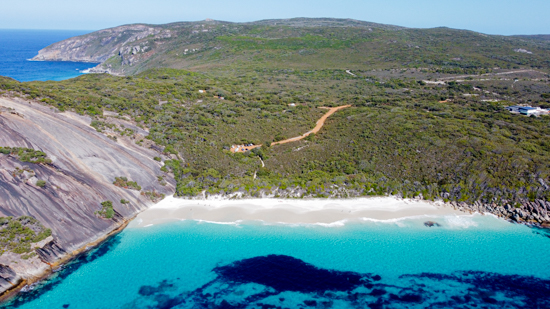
(460, 78)
(320, 123)
(318, 126)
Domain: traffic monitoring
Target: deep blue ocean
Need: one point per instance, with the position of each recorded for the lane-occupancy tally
(468, 262)
(16, 46)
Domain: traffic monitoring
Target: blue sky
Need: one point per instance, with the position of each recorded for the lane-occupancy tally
(487, 16)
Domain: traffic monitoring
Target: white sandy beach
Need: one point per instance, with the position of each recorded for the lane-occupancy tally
(293, 211)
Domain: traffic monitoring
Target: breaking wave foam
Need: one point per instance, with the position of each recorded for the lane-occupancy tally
(445, 221)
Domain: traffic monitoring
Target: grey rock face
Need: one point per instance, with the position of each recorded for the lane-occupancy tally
(85, 163)
(51, 252)
(84, 166)
(8, 277)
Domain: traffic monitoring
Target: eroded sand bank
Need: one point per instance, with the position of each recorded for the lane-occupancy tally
(310, 211)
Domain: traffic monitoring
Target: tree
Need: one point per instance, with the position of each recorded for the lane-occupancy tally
(107, 210)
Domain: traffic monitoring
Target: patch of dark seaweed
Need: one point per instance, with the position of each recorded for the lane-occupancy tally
(226, 305)
(407, 298)
(148, 290)
(285, 273)
(535, 292)
(165, 301)
(378, 292)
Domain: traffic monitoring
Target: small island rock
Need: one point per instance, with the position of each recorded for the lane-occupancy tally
(431, 224)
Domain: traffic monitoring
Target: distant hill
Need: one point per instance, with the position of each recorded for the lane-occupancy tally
(538, 37)
(324, 22)
(309, 43)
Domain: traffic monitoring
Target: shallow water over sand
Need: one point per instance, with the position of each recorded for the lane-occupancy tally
(470, 259)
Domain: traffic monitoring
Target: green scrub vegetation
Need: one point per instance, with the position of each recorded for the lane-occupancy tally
(428, 115)
(18, 234)
(26, 154)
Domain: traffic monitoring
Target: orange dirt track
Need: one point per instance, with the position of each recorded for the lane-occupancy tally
(318, 126)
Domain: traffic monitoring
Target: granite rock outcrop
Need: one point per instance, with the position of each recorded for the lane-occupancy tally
(84, 164)
(100, 45)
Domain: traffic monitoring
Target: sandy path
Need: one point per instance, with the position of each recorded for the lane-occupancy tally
(444, 80)
(320, 123)
(349, 72)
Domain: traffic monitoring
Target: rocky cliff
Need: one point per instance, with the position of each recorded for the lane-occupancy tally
(98, 46)
(84, 165)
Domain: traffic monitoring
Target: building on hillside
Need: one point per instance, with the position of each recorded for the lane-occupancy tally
(514, 109)
(528, 111)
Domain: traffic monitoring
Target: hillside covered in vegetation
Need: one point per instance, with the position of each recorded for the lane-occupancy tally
(428, 115)
(296, 43)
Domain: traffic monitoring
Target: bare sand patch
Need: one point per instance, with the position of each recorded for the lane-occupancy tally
(290, 211)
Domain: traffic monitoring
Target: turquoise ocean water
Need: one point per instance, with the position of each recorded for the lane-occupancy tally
(16, 46)
(469, 261)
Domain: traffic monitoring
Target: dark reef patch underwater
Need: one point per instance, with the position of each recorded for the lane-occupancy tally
(278, 281)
